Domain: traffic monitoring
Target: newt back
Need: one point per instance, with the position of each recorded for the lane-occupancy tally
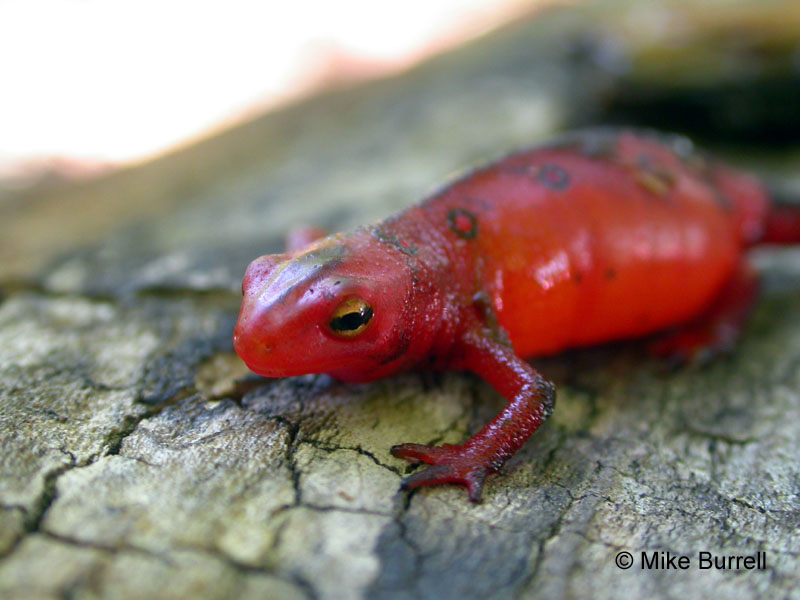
(599, 236)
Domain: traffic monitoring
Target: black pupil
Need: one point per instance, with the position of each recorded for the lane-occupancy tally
(352, 321)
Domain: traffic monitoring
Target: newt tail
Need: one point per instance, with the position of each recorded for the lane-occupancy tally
(597, 236)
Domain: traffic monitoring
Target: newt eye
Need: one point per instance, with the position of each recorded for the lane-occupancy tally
(351, 317)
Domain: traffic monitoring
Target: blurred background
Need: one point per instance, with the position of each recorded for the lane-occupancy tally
(246, 118)
(89, 84)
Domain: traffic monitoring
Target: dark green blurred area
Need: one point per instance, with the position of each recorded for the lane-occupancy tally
(721, 70)
(724, 70)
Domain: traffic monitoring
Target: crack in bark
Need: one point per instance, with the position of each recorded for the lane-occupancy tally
(344, 509)
(291, 452)
(113, 440)
(333, 447)
(557, 526)
(419, 555)
(110, 446)
(111, 549)
(552, 532)
(398, 520)
(236, 565)
(34, 516)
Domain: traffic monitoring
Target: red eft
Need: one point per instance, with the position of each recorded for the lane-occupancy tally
(600, 235)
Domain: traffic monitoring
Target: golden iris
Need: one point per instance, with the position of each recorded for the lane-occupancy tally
(351, 317)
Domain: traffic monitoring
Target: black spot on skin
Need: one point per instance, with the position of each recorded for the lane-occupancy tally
(398, 350)
(393, 240)
(611, 274)
(554, 177)
(463, 223)
(550, 175)
(577, 278)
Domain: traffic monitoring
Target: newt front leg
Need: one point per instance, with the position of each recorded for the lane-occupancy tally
(530, 401)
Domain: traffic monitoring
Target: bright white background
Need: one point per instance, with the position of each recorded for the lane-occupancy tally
(106, 80)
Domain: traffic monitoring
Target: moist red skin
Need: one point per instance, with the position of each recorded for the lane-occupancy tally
(601, 235)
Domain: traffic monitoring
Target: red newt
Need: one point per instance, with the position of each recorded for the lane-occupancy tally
(600, 235)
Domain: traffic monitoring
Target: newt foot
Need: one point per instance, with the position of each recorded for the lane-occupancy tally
(449, 464)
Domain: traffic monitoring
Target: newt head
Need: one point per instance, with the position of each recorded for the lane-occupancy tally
(344, 306)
